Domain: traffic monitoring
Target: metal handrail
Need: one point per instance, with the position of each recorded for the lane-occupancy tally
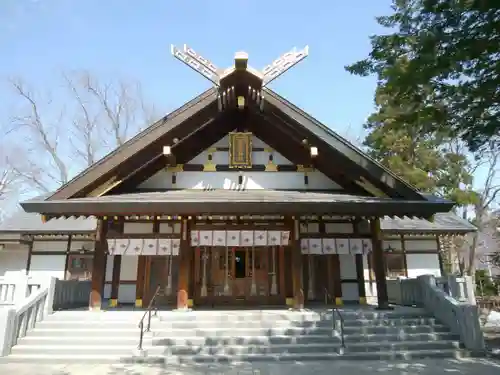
(148, 313)
(336, 311)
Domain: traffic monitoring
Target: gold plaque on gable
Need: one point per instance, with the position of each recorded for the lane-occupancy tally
(240, 150)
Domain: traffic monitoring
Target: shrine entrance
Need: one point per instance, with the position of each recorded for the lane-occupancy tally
(238, 276)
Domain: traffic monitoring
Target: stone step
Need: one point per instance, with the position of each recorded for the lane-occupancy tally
(90, 332)
(399, 346)
(161, 359)
(408, 329)
(118, 349)
(399, 322)
(381, 338)
(246, 340)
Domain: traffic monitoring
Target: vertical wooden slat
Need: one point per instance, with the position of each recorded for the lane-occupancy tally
(361, 278)
(184, 266)
(405, 261)
(99, 265)
(115, 280)
(30, 253)
(66, 262)
(141, 276)
(281, 270)
(379, 264)
(337, 281)
(298, 288)
(330, 283)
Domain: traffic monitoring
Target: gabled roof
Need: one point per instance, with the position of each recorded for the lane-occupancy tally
(206, 103)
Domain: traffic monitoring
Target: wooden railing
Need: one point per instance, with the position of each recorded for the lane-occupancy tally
(70, 294)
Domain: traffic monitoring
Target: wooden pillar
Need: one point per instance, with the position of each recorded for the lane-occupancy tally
(337, 279)
(30, 253)
(281, 271)
(66, 262)
(141, 276)
(361, 279)
(99, 265)
(115, 280)
(297, 280)
(184, 261)
(379, 264)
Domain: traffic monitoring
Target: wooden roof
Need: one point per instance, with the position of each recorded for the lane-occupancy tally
(226, 202)
(198, 124)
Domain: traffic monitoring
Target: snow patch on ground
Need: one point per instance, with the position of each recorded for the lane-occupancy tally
(492, 320)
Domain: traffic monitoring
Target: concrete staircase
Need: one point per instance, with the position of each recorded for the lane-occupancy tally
(237, 335)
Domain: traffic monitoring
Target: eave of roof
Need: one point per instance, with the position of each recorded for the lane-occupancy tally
(234, 202)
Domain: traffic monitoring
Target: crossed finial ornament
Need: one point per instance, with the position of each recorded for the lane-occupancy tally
(211, 72)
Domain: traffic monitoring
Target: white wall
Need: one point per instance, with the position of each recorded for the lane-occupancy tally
(422, 264)
(13, 259)
(229, 180)
(128, 272)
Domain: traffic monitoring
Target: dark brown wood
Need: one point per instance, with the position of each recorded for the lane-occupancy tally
(99, 265)
(379, 264)
(330, 278)
(30, 253)
(297, 279)
(68, 251)
(115, 281)
(361, 277)
(183, 151)
(281, 271)
(143, 147)
(337, 280)
(141, 279)
(184, 267)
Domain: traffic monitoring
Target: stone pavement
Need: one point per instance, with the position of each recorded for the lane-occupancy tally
(414, 367)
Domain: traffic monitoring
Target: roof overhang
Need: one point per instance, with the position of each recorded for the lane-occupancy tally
(229, 202)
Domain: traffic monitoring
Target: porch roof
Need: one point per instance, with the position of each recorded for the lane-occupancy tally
(227, 202)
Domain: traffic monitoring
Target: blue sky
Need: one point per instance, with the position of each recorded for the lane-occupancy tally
(39, 39)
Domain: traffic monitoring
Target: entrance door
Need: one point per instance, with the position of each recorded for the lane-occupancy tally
(162, 271)
(240, 272)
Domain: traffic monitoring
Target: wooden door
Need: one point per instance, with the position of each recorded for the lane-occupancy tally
(260, 268)
(218, 271)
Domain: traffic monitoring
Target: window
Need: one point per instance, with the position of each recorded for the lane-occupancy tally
(395, 264)
(79, 267)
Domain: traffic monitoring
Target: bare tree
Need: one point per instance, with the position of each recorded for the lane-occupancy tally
(487, 197)
(60, 137)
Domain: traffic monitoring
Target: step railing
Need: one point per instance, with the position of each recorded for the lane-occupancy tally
(148, 312)
(461, 317)
(336, 313)
(16, 287)
(450, 299)
(18, 319)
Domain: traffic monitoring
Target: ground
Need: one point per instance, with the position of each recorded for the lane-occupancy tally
(419, 367)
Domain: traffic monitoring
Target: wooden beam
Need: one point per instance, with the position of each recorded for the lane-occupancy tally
(136, 153)
(99, 265)
(115, 281)
(183, 297)
(379, 264)
(185, 150)
(141, 278)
